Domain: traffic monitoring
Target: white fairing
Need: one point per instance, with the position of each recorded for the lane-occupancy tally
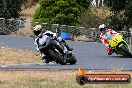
(42, 40)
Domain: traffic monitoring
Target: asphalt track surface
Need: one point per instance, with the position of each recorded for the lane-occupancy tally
(90, 55)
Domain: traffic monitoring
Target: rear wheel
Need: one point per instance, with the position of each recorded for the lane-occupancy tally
(57, 57)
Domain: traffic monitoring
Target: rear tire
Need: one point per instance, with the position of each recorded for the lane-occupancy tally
(57, 57)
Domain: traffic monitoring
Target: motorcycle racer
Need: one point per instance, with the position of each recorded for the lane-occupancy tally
(39, 33)
(105, 35)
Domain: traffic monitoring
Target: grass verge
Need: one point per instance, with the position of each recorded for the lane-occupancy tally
(14, 56)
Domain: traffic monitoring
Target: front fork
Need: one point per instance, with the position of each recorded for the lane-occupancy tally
(65, 56)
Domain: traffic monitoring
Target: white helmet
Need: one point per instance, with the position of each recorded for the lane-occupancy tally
(37, 30)
(37, 27)
(102, 27)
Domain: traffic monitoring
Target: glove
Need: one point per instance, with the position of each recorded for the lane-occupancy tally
(59, 39)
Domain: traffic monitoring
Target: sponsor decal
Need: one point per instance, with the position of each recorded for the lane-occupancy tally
(83, 78)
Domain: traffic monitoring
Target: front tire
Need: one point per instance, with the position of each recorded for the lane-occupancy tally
(72, 59)
(125, 50)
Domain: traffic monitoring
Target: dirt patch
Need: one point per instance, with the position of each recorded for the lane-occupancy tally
(14, 56)
(27, 14)
(58, 75)
(27, 30)
(102, 11)
(29, 11)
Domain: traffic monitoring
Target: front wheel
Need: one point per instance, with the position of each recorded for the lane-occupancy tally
(125, 50)
(72, 59)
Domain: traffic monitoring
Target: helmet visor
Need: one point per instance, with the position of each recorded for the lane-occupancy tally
(37, 32)
(102, 29)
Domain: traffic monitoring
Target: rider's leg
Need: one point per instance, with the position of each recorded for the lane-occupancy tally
(45, 56)
(110, 50)
(46, 59)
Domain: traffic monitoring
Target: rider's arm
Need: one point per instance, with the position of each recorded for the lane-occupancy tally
(112, 31)
(50, 34)
(104, 40)
(35, 42)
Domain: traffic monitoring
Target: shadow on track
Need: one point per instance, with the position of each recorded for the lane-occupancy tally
(121, 56)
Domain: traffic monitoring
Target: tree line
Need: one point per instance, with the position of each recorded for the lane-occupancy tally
(69, 11)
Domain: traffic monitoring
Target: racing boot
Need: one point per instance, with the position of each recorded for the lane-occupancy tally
(46, 59)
